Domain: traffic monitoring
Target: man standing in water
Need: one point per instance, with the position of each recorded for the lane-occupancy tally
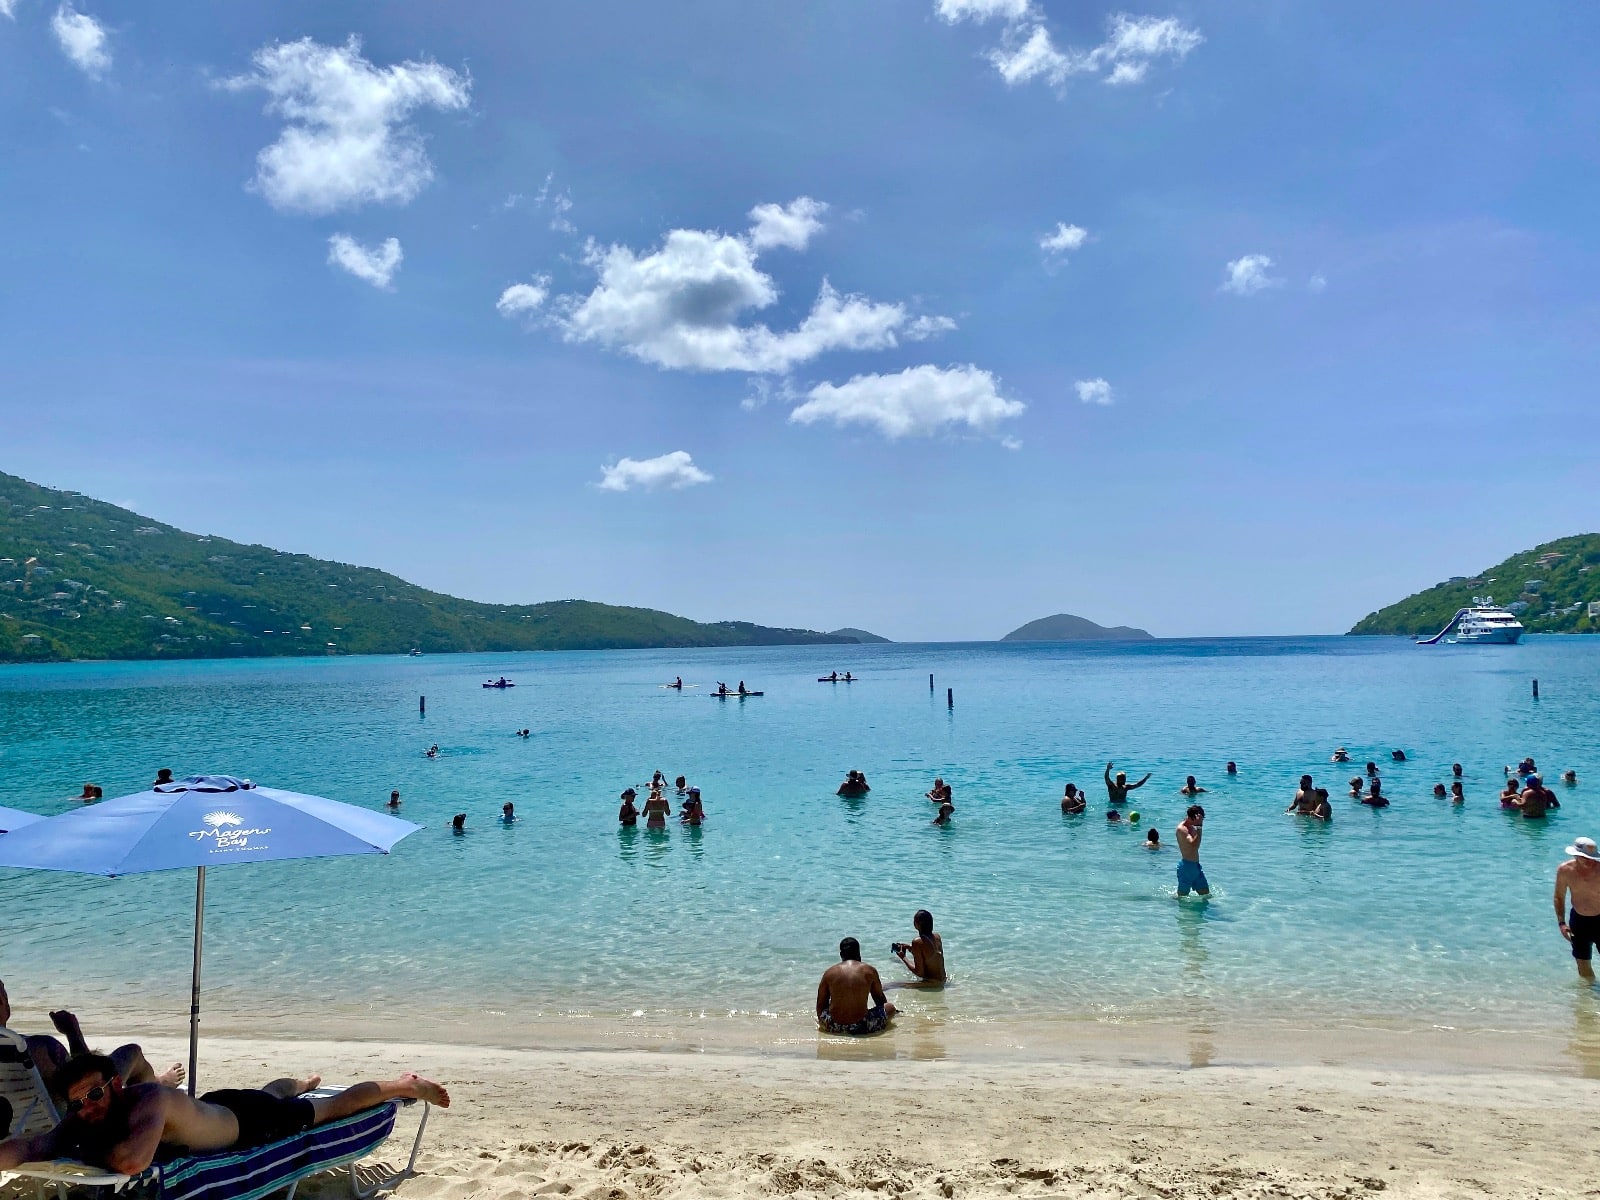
(844, 994)
(1578, 882)
(1190, 876)
(1117, 789)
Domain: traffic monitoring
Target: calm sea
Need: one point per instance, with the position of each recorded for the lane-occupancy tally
(1424, 914)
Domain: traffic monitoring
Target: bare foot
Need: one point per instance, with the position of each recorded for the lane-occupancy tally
(309, 1084)
(173, 1075)
(426, 1089)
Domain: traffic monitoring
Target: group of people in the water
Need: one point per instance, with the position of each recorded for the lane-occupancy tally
(657, 808)
(835, 677)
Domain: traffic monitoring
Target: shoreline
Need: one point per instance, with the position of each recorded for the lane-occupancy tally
(624, 1124)
(1197, 1041)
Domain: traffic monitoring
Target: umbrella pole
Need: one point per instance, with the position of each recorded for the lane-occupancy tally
(194, 988)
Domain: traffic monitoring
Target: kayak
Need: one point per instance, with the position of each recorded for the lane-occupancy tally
(841, 679)
(733, 695)
(500, 685)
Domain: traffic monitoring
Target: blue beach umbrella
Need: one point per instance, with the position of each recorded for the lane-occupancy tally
(15, 818)
(199, 822)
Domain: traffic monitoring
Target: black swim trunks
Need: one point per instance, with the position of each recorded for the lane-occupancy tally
(876, 1021)
(263, 1117)
(1585, 933)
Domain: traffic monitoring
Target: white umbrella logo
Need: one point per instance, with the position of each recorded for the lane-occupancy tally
(220, 818)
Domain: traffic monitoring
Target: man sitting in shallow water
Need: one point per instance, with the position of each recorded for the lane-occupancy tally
(120, 1127)
(850, 998)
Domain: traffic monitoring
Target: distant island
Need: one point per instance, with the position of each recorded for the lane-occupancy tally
(1553, 588)
(1064, 627)
(83, 579)
(859, 635)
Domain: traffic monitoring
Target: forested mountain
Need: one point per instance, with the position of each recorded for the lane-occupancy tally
(1549, 587)
(83, 579)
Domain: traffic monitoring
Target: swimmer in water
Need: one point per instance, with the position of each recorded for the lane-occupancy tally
(1323, 811)
(1457, 794)
(1152, 840)
(681, 784)
(1509, 794)
(88, 792)
(1356, 787)
(1372, 770)
(656, 811)
(1117, 789)
(693, 812)
(1438, 791)
(433, 751)
(1190, 787)
(394, 799)
(628, 814)
(940, 792)
(1455, 769)
(1398, 755)
(945, 811)
(508, 814)
(1305, 799)
(1570, 778)
(1072, 800)
(1233, 767)
(1375, 797)
(1113, 816)
(164, 775)
(1340, 755)
(458, 823)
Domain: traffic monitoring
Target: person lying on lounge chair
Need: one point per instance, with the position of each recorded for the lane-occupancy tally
(49, 1054)
(120, 1128)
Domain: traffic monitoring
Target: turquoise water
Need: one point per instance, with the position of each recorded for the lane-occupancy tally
(1421, 914)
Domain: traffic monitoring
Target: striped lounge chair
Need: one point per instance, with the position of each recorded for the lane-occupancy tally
(225, 1175)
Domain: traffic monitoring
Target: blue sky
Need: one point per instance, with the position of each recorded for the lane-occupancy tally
(926, 316)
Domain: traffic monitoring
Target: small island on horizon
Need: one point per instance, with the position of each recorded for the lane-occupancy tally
(1064, 627)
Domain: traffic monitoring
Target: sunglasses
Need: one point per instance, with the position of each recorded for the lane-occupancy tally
(93, 1096)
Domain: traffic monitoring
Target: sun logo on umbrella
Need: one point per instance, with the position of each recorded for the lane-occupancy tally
(218, 819)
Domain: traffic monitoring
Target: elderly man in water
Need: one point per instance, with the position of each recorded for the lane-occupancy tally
(122, 1127)
(850, 997)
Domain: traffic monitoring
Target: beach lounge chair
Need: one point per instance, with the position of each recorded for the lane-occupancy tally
(226, 1175)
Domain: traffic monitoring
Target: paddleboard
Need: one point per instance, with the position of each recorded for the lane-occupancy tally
(672, 687)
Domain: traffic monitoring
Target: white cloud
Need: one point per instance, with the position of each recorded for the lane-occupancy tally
(1247, 275)
(675, 470)
(1011, 443)
(923, 328)
(918, 401)
(8, 8)
(1317, 283)
(376, 265)
(682, 305)
(1028, 52)
(1094, 391)
(789, 225)
(522, 298)
(982, 10)
(347, 140)
(82, 39)
(559, 204)
(1063, 240)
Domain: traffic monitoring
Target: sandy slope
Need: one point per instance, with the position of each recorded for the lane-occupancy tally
(622, 1124)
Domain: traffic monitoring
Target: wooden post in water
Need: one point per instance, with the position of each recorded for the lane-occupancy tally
(1535, 689)
(950, 697)
(422, 705)
(930, 681)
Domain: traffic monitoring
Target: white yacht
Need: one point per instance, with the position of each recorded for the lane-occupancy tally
(1485, 623)
(1488, 623)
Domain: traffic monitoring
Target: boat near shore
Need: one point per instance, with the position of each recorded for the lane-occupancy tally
(1484, 624)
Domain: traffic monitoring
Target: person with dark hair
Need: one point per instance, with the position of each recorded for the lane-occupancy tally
(946, 811)
(120, 1127)
(1372, 770)
(1305, 798)
(1438, 791)
(1458, 794)
(1190, 787)
(926, 950)
(628, 814)
(1355, 787)
(394, 798)
(1375, 797)
(508, 813)
(458, 823)
(163, 777)
(1190, 830)
(1233, 767)
(1152, 840)
(49, 1055)
(1398, 755)
(1072, 800)
(1323, 810)
(850, 998)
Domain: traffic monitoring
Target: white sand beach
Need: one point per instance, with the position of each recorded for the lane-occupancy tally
(850, 1121)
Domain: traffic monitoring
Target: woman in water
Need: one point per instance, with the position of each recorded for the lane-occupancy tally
(628, 814)
(656, 811)
(1457, 795)
(1072, 800)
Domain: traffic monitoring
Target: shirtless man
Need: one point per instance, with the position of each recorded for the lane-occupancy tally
(1190, 876)
(1117, 789)
(1191, 788)
(1578, 881)
(1533, 802)
(120, 1127)
(927, 951)
(1305, 799)
(49, 1055)
(850, 998)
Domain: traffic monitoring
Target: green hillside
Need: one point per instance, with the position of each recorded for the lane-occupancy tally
(1549, 587)
(83, 579)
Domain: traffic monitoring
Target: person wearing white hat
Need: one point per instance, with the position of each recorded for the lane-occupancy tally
(1578, 890)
